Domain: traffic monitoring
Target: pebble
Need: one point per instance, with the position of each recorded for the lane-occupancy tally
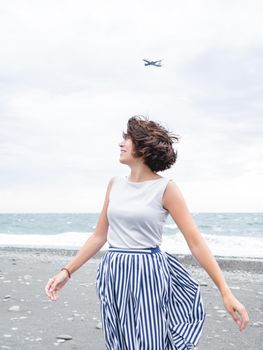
(203, 284)
(27, 277)
(84, 285)
(6, 297)
(221, 311)
(14, 308)
(99, 325)
(61, 341)
(64, 336)
(258, 324)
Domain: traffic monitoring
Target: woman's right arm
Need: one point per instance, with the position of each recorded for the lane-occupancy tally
(93, 244)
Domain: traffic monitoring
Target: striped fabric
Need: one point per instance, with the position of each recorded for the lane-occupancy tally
(148, 301)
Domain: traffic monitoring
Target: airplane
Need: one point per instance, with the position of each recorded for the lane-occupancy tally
(152, 63)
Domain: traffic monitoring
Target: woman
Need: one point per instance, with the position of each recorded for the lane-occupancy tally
(148, 299)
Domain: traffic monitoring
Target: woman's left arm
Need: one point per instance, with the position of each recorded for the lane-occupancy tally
(174, 202)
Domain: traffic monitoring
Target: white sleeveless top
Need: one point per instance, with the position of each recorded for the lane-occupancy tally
(135, 213)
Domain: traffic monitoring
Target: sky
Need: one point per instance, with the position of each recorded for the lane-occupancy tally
(71, 75)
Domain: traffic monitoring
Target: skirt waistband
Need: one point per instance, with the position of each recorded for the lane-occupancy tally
(150, 250)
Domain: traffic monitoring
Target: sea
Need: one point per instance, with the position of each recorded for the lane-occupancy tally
(227, 234)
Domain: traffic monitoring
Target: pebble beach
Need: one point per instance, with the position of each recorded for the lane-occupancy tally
(29, 320)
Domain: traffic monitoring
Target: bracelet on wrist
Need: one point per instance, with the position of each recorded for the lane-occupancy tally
(64, 268)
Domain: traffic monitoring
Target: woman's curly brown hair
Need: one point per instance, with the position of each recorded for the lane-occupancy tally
(153, 142)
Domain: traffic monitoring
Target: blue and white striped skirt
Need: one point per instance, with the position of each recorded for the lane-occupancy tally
(148, 300)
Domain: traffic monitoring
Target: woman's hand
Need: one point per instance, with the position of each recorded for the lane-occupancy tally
(55, 284)
(236, 310)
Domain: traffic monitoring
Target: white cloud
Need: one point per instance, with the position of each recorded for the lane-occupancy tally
(72, 74)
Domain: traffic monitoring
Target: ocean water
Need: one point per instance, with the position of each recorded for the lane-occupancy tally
(227, 234)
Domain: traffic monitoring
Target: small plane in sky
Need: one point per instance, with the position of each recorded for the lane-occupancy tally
(152, 63)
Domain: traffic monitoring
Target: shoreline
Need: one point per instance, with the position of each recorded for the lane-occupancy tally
(227, 263)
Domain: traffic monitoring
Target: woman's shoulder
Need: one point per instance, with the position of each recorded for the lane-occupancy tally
(168, 180)
(113, 180)
(170, 187)
(172, 192)
(170, 183)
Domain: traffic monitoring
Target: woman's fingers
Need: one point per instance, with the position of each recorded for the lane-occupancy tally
(50, 289)
(240, 316)
(243, 318)
(54, 295)
(48, 285)
(236, 310)
(236, 318)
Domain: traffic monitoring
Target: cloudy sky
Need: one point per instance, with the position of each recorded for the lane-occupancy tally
(71, 74)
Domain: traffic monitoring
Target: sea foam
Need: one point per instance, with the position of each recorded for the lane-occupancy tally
(221, 245)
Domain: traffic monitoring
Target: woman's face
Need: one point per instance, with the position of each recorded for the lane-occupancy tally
(126, 150)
